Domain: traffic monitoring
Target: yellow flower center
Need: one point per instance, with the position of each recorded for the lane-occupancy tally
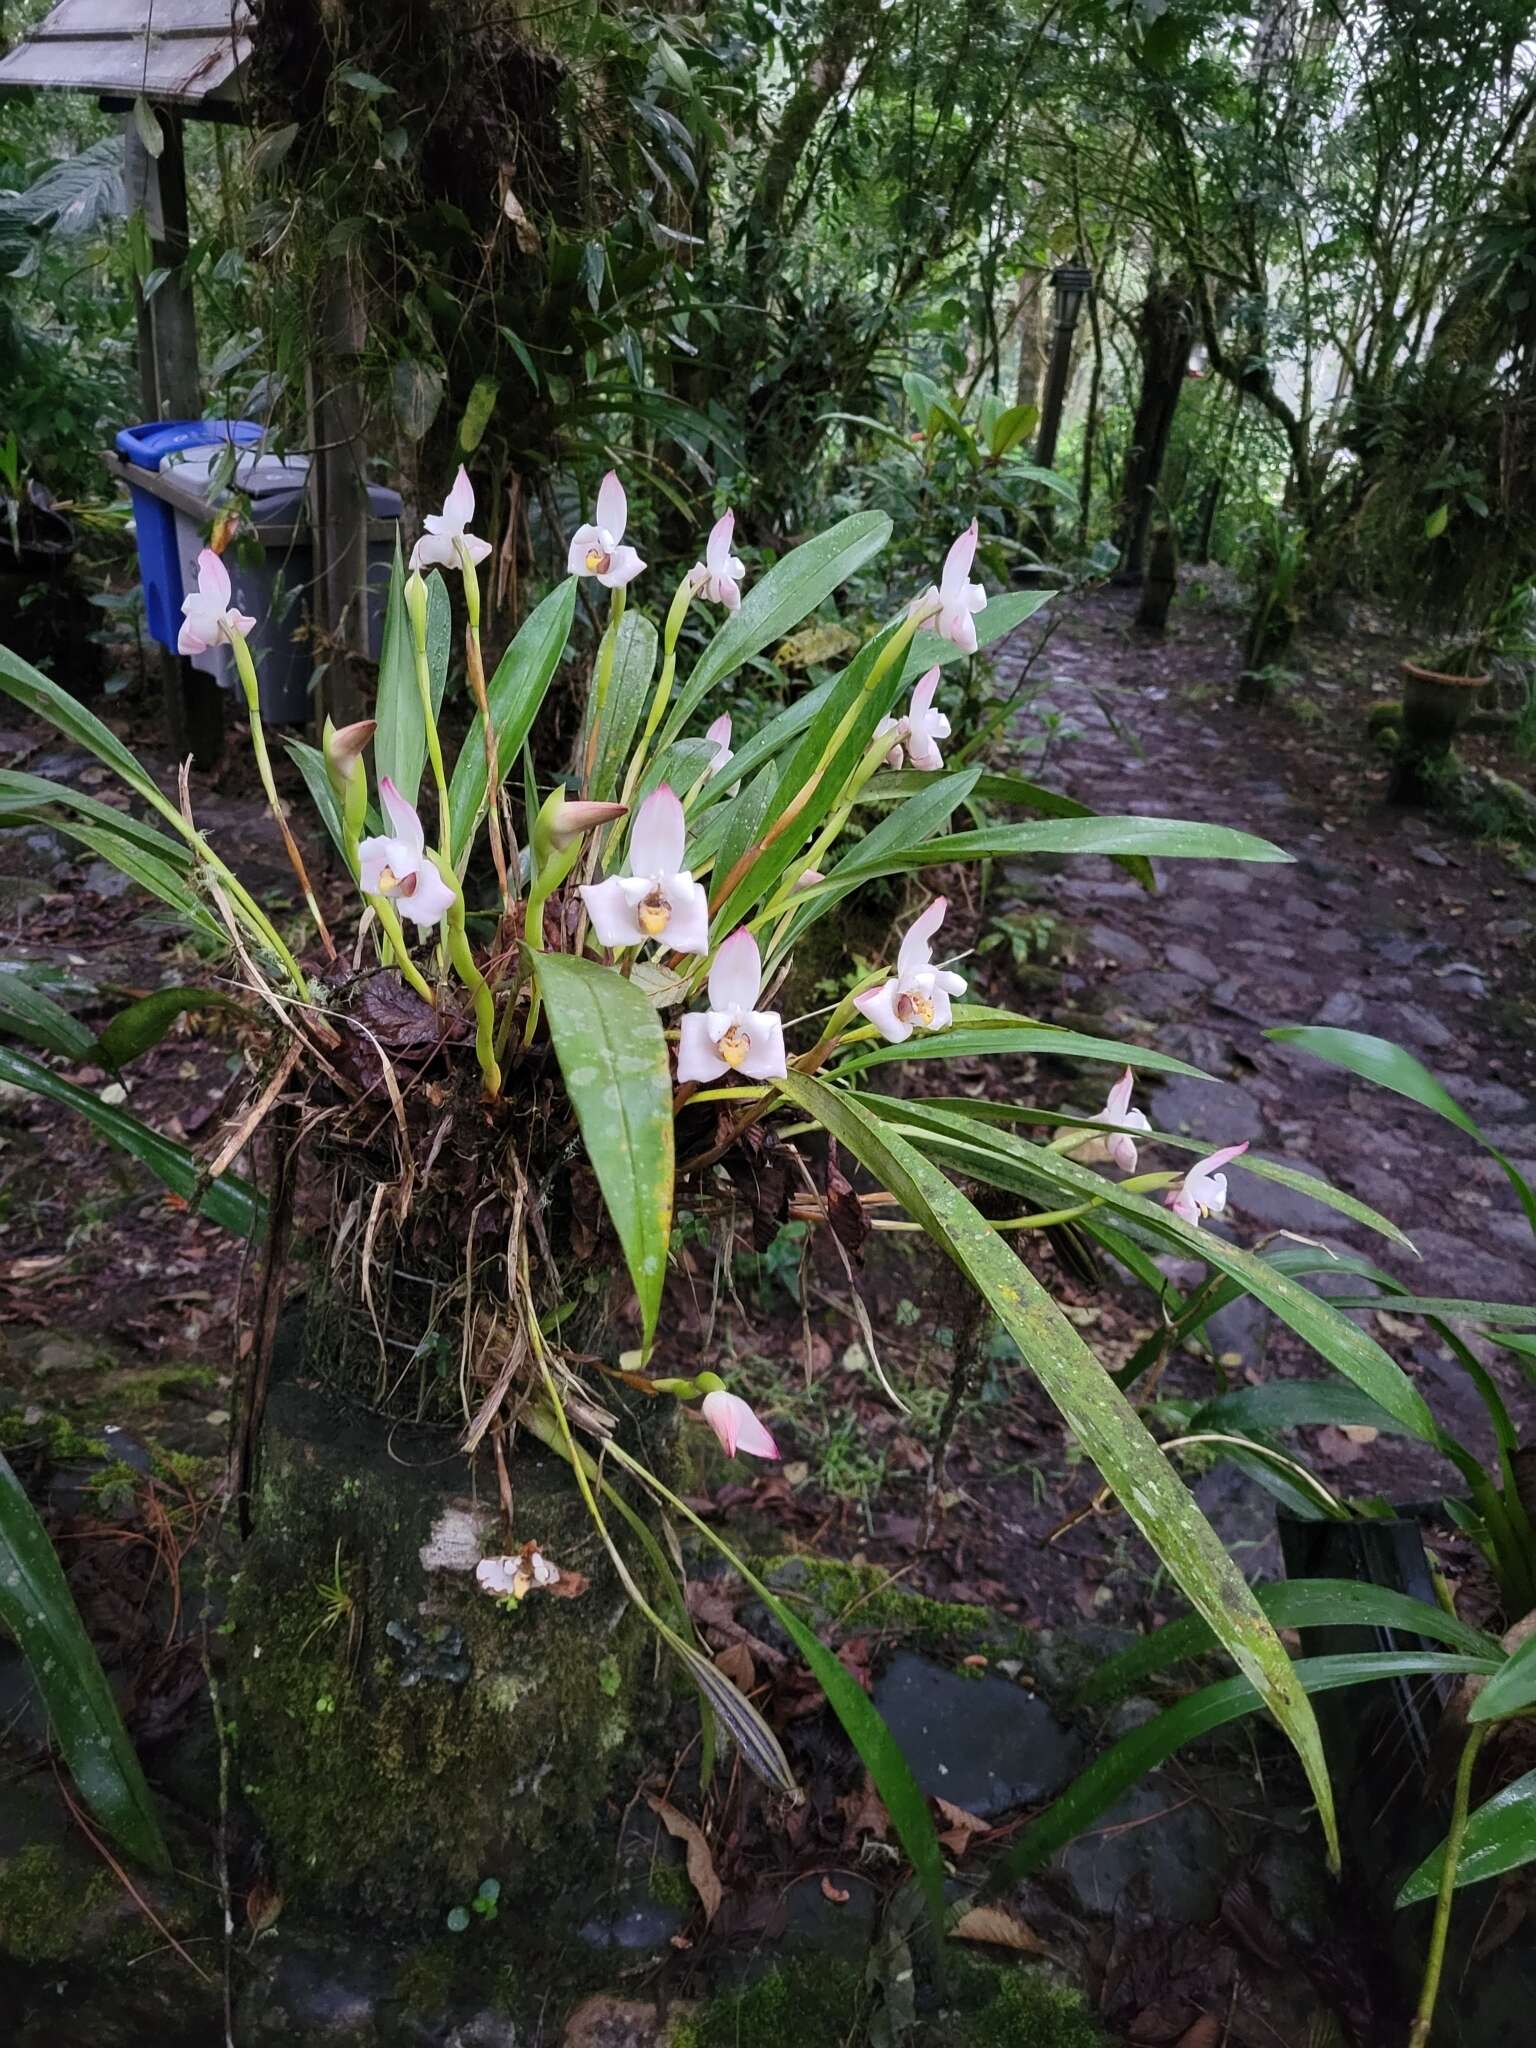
(655, 914)
(915, 1004)
(734, 1047)
(597, 561)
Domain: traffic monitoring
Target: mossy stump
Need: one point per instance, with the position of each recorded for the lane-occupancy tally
(400, 1734)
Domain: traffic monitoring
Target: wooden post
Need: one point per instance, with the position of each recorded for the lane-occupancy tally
(340, 616)
(170, 390)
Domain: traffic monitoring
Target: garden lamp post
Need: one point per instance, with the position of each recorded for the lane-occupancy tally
(1071, 283)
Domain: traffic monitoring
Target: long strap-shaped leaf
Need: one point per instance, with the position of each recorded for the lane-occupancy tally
(35, 1605)
(1500, 1836)
(1108, 1427)
(609, 1042)
(230, 1201)
(1118, 1769)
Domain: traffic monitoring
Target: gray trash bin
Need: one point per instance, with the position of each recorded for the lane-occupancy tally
(274, 590)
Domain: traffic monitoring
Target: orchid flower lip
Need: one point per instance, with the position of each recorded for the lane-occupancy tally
(733, 1035)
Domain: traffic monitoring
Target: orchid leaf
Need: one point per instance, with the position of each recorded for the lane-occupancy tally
(514, 694)
(1389, 1066)
(629, 687)
(1104, 1422)
(142, 1025)
(1160, 838)
(1500, 1836)
(1111, 1775)
(30, 1013)
(228, 1201)
(608, 1040)
(776, 603)
(1513, 1691)
(37, 1609)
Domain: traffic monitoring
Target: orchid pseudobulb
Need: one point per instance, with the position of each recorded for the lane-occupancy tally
(447, 531)
(595, 548)
(731, 1034)
(658, 898)
(918, 993)
(396, 864)
(209, 616)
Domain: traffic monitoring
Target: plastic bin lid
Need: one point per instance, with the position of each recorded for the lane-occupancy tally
(259, 476)
(149, 445)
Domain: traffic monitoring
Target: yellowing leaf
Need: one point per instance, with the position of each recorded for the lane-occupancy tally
(998, 1929)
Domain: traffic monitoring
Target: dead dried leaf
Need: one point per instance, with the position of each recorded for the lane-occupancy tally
(1205, 2033)
(701, 1863)
(736, 1662)
(263, 1903)
(962, 1829)
(998, 1929)
(864, 1813)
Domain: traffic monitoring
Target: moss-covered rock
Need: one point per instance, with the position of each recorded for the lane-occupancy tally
(852, 1598)
(401, 1735)
(47, 1905)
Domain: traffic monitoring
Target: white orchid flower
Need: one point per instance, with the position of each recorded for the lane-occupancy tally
(918, 992)
(737, 1427)
(731, 1034)
(1117, 1110)
(1203, 1190)
(447, 531)
(595, 549)
(720, 734)
(949, 610)
(209, 615)
(396, 865)
(658, 898)
(718, 576)
(921, 729)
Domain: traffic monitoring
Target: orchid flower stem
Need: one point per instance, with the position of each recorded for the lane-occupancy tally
(682, 597)
(832, 831)
(394, 933)
(1434, 1961)
(1043, 1221)
(602, 683)
(464, 963)
(246, 669)
(474, 668)
(429, 722)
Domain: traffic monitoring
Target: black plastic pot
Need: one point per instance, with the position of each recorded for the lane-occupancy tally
(1435, 708)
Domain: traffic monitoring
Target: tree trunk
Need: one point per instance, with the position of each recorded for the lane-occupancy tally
(1032, 339)
(1165, 335)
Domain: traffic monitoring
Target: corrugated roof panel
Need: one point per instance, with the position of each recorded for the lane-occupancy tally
(178, 51)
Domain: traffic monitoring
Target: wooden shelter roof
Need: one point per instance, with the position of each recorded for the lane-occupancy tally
(181, 53)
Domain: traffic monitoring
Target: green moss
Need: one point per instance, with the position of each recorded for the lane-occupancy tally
(59, 1438)
(1024, 2011)
(815, 2003)
(44, 1906)
(425, 1980)
(862, 1598)
(670, 1885)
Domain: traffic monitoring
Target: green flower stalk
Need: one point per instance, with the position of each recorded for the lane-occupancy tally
(474, 668)
(246, 669)
(416, 605)
(677, 611)
(464, 966)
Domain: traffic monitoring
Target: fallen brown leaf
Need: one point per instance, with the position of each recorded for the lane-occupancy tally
(998, 1929)
(864, 1813)
(963, 1827)
(701, 1863)
(1205, 2033)
(736, 1662)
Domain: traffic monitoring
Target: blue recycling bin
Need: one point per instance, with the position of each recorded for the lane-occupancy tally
(155, 521)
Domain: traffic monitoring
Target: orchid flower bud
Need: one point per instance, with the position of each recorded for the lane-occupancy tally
(416, 605)
(343, 748)
(564, 820)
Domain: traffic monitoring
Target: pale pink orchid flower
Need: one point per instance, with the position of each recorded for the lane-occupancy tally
(595, 549)
(918, 992)
(949, 610)
(395, 865)
(209, 615)
(718, 576)
(731, 1034)
(720, 734)
(1117, 1110)
(921, 729)
(658, 898)
(737, 1427)
(447, 531)
(1203, 1190)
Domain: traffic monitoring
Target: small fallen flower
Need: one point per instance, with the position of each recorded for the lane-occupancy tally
(529, 1571)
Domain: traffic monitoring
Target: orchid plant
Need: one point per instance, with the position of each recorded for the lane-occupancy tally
(625, 967)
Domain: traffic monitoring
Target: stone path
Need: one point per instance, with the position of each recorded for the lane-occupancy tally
(1387, 923)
